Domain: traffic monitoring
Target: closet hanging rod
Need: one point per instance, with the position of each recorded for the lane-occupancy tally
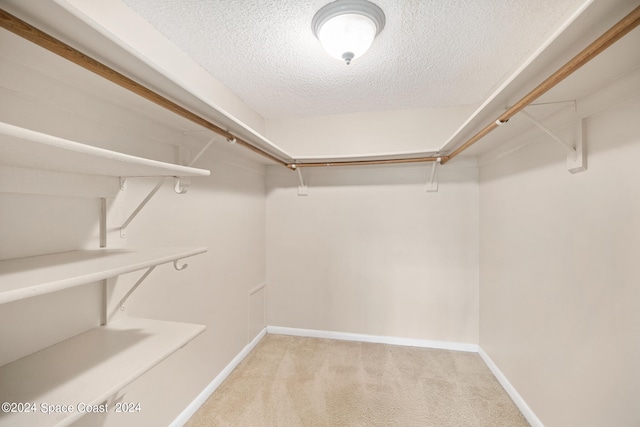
(293, 166)
(44, 40)
(625, 25)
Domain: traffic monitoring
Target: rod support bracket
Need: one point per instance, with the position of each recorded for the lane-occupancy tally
(576, 159)
(180, 186)
(432, 183)
(302, 187)
(134, 287)
(178, 266)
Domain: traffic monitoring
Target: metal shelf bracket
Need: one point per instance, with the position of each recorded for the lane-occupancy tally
(180, 187)
(134, 287)
(176, 265)
(302, 187)
(576, 157)
(143, 203)
(432, 184)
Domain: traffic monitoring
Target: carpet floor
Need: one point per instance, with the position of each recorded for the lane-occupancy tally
(292, 381)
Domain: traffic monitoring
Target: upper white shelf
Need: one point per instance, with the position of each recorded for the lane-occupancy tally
(88, 369)
(25, 148)
(28, 277)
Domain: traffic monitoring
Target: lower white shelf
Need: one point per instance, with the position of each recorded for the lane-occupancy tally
(87, 369)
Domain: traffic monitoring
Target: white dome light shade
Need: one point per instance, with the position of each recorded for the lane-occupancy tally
(347, 36)
(346, 28)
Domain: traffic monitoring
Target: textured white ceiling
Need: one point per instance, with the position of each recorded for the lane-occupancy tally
(431, 53)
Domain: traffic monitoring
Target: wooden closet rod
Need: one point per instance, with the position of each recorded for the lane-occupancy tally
(293, 166)
(626, 24)
(42, 39)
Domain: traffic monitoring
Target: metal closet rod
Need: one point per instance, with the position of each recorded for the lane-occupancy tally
(42, 39)
(25, 30)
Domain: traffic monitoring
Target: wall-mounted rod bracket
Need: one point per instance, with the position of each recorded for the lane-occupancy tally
(432, 184)
(579, 164)
(567, 146)
(573, 103)
(143, 203)
(302, 187)
(134, 287)
(576, 161)
(201, 152)
(179, 188)
(178, 266)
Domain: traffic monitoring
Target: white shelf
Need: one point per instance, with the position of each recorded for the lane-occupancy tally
(25, 148)
(89, 368)
(28, 277)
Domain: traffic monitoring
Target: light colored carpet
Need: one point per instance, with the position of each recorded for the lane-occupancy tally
(292, 381)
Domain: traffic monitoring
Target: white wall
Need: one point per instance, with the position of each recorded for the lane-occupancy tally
(369, 251)
(225, 212)
(559, 274)
(371, 133)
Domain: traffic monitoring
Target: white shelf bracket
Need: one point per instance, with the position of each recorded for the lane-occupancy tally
(579, 164)
(573, 103)
(432, 184)
(176, 265)
(123, 228)
(134, 287)
(576, 160)
(123, 183)
(201, 152)
(302, 187)
(177, 188)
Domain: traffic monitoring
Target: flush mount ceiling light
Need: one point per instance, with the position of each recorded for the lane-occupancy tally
(346, 28)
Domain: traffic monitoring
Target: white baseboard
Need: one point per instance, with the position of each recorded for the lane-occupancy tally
(511, 391)
(345, 336)
(213, 385)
